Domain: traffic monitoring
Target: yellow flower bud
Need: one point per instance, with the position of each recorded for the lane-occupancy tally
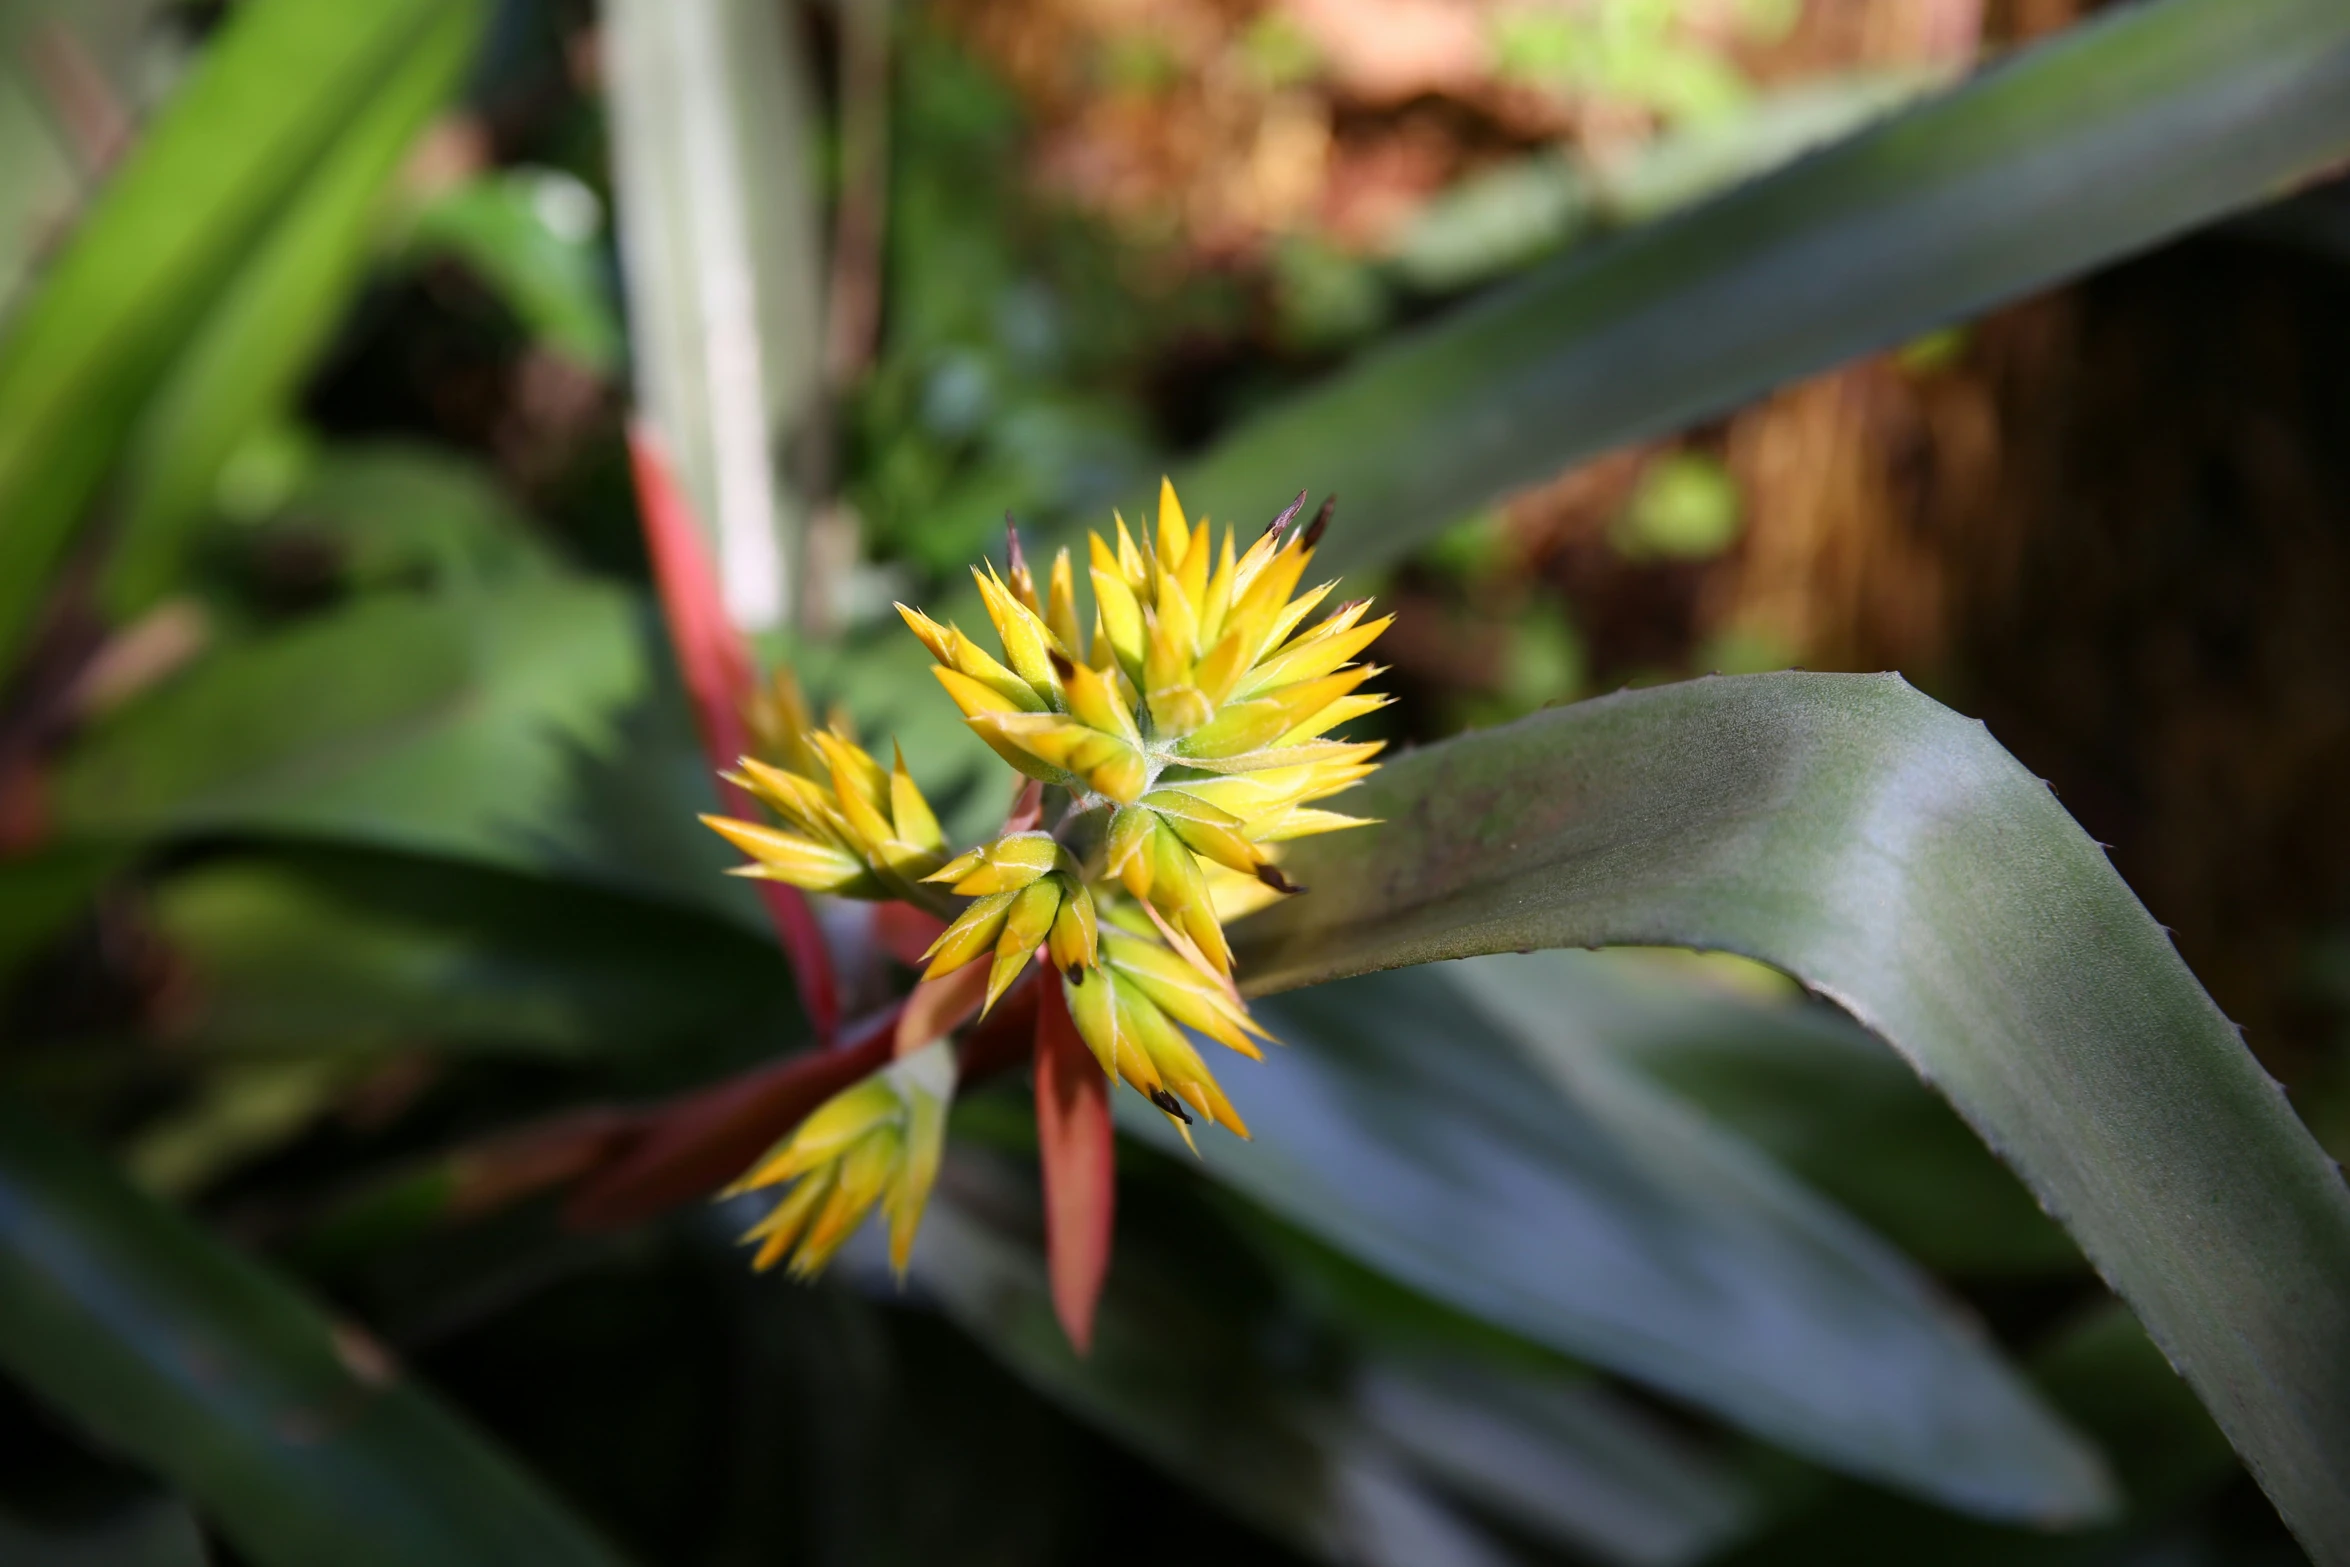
(1187, 726)
(877, 1141)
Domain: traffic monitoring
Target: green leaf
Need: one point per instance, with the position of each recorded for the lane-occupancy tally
(1814, 1090)
(1890, 855)
(41, 892)
(392, 515)
(2114, 135)
(1592, 1215)
(296, 1433)
(154, 1531)
(312, 950)
(268, 100)
(518, 725)
(259, 336)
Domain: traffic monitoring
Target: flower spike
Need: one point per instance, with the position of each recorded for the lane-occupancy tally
(878, 1141)
(1179, 733)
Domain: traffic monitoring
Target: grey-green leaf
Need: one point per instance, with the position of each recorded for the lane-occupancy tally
(1811, 1088)
(298, 1435)
(2118, 133)
(1404, 1126)
(303, 951)
(1889, 853)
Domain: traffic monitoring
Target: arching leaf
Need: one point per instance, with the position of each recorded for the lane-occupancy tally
(2116, 134)
(1888, 853)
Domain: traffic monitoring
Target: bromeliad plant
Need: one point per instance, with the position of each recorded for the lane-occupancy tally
(1828, 825)
(1176, 746)
(1845, 829)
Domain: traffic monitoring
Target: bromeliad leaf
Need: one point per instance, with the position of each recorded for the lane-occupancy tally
(2131, 127)
(350, 953)
(259, 336)
(514, 725)
(1804, 1083)
(1891, 856)
(268, 105)
(1194, 1367)
(299, 1436)
(1404, 1129)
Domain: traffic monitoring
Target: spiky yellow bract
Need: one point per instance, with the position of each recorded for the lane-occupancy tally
(878, 1141)
(1182, 734)
(1190, 731)
(858, 831)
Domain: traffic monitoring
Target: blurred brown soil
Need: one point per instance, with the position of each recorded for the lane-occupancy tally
(1224, 125)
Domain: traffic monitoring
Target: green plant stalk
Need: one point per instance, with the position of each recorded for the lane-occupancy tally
(1890, 855)
(2117, 134)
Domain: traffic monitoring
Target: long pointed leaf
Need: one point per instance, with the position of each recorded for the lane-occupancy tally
(1405, 1129)
(259, 336)
(1890, 855)
(298, 1435)
(270, 95)
(1805, 1084)
(515, 725)
(2120, 133)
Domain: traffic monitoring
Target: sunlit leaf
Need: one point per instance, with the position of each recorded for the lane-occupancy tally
(260, 113)
(1890, 855)
(259, 335)
(522, 726)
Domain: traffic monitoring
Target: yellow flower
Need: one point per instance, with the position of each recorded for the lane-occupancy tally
(1194, 714)
(1187, 725)
(1132, 1037)
(878, 1141)
(1189, 730)
(860, 832)
(1030, 893)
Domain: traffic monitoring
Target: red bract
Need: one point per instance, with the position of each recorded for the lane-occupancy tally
(718, 674)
